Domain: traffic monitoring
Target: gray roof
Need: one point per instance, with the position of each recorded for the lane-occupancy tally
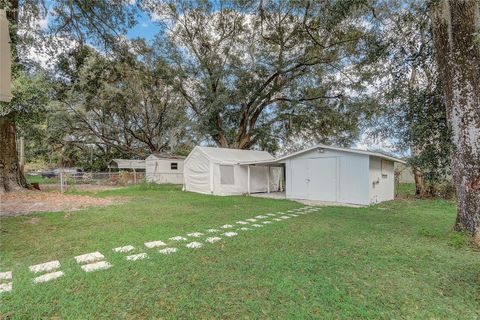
(127, 164)
(164, 155)
(233, 156)
(322, 146)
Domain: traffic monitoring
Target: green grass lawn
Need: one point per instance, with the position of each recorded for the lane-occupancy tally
(397, 260)
(41, 180)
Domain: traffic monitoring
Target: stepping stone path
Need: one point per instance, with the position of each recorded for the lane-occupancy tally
(48, 277)
(230, 234)
(48, 269)
(96, 261)
(92, 262)
(168, 250)
(100, 265)
(195, 234)
(89, 257)
(154, 244)
(194, 245)
(213, 239)
(178, 238)
(45, 267)
(138, 256)
(124, 249)
(6, 283)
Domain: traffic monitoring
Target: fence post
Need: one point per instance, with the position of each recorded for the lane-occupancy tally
(61, 181)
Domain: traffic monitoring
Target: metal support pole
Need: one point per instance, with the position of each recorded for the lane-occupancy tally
(61, 181)
(268, 179)
(248, 179)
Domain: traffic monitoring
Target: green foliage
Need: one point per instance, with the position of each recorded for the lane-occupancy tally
(413, 108)
(115, 108)
(30, 97)
(257, 80)
(41, 180)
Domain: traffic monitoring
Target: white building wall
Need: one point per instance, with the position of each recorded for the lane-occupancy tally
(381, 186)
(159, 170)
(227, 189)
(349, 181)
(197, 173)
(354, 179)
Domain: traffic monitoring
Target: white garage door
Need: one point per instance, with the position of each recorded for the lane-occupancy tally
(315, 179)
(322, 173)
(299, 178)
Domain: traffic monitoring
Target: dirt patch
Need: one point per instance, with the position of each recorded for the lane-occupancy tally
(20, 203)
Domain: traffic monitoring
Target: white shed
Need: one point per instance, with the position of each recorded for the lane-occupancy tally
(164, 168)
(222, 171)
(333, 174)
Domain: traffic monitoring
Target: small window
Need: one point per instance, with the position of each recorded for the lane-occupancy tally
(227, 175)
(385, 165)
(173, 166)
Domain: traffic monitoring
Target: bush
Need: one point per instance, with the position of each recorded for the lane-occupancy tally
(443, 189)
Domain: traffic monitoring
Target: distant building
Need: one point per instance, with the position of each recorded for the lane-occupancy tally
(405, 173)
(164, 168)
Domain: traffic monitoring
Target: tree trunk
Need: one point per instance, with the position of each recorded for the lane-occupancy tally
(417, 174)
(11, 177)
(455, 28)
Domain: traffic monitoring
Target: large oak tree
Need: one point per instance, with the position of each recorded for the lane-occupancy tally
(78, 21)
(251, 73)
(457, 43)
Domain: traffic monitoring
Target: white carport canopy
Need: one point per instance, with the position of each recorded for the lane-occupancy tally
(5, 63)
(224, 171)
(264, 163)
(235, 156)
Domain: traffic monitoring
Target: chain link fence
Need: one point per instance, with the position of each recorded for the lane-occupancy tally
(66, 180)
